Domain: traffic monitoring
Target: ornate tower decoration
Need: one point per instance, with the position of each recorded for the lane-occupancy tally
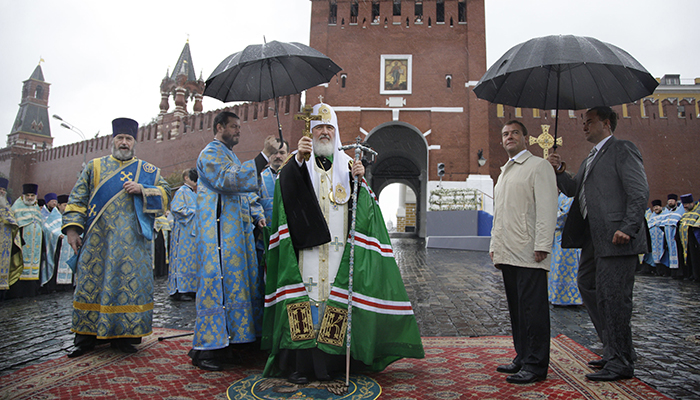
(31, 130)
(182, 85)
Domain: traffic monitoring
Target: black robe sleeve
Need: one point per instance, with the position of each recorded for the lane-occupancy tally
(305, 221)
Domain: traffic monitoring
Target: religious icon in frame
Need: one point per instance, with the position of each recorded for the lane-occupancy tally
(396, 70)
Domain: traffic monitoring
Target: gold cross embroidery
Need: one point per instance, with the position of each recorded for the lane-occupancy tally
(545, 140)
(126, 176)
(92, 210)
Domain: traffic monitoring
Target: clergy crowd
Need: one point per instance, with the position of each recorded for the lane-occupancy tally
(674, 230)
(262, 246)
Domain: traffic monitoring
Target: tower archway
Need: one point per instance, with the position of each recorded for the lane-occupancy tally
(402, 158)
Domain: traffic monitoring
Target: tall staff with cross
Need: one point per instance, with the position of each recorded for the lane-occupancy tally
(359, 150)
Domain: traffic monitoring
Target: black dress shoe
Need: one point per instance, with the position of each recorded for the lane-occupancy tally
(606, 376)
(80, 350)
(210, 365)
(524, 377)
(297, 378)
(598, 364)
(124, 346)
(508, 369)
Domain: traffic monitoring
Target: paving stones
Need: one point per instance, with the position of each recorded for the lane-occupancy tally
(454, 293)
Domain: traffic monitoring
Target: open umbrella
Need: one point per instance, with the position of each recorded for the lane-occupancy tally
(565, 72)
(270, 70)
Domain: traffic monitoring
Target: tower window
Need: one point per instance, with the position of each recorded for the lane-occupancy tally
(332, 12)
(286, 105)
(353, 12)
(462, 11)
(448, 81)
(681, 111)
(440, 11)
(375, 12)
(39, 92)
(397, 7)
(418, 11)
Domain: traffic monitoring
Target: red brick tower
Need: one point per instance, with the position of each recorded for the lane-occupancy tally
(31, 130)
(406, 87)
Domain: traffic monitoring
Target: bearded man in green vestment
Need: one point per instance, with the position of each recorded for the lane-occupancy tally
(113, 205)
(307, 288)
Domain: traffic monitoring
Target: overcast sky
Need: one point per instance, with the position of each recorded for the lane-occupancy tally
(107, 59)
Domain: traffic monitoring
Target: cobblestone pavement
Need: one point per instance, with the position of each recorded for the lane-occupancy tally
(454, 293)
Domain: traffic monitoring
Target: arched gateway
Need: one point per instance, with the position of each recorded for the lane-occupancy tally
(402, 158)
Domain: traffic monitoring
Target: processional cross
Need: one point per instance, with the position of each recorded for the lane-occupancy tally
(307, 118)
(545, 140)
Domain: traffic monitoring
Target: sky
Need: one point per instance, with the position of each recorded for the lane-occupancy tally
(107, 59)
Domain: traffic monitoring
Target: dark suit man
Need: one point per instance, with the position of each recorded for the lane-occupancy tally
(607, 222)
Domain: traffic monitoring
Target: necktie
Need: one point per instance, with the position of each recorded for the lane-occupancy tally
(582, 194)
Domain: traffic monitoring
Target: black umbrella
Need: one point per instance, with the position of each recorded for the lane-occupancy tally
(565, 72)
(267, 71)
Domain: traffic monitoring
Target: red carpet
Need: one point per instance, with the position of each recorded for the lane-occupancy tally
(454, 368)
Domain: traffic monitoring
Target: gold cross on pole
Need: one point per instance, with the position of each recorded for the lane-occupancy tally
(307, 118)
(545, 140)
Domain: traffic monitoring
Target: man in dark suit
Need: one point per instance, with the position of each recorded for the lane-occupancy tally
(606, 221)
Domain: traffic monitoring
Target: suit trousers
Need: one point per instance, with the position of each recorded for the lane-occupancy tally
(526, 293)
(606, 285)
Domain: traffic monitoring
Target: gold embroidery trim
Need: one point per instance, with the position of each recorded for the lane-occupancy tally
(335, 322)
(112, 309)
(301, 325)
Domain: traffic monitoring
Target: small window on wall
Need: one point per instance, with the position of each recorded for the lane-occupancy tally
(397, 7)
(462, 11)
(518, 112)
(343, 79)
(535, 113)
(353, 12)
(448, 81)
(332, 12)
(681, 111)
(375, 12)
(418, 11)
(440, 11)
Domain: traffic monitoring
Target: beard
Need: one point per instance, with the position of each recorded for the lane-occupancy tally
(325, 149)
(3, 201)
(122, 154)
(28, 203)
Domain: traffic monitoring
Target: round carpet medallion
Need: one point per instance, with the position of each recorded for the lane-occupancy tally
(257, 387)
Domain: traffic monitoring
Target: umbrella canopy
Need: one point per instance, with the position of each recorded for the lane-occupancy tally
(265, 71)
(565, 72)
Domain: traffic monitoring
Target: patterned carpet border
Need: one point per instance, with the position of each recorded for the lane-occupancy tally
(454, 368)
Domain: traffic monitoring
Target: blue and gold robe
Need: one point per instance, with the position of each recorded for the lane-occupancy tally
(31, 222)
(114, 280)
(230, 291)
(563, 272)
(11, 263)
(182, 276)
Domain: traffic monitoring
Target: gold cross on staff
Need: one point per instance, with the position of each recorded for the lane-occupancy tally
(307, 118)
(545, 140)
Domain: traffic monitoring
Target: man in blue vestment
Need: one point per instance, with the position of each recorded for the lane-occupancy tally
(182, 278)
(11, 263)
(267, 186)
(113, 205)
(30, 221)
(229, 293)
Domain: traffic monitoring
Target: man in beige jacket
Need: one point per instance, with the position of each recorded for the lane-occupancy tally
(524, 219)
